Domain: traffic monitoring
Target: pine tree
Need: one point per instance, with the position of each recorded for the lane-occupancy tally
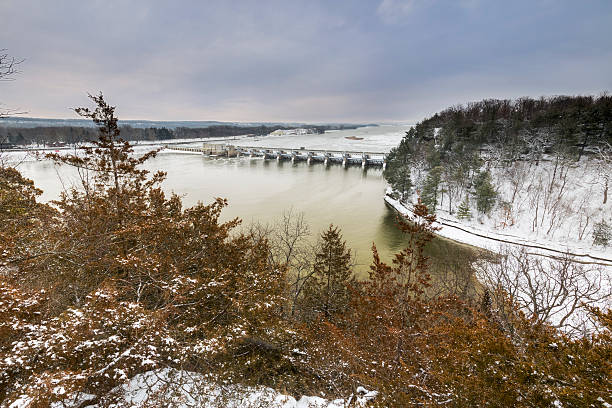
(117, 172)
(602, 234)
(485, 192)
(464, 212)
(24, 220)
(327, 291)
(430, 188)
(486, 304)
(400, 180)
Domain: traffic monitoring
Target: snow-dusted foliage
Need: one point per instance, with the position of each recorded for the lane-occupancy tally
(94, 346)
(122, 280)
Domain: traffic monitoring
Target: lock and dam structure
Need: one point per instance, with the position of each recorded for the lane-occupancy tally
(343, 157)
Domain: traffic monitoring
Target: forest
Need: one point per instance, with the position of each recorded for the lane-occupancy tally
(116, 279)
(531, 167)
(570, 123)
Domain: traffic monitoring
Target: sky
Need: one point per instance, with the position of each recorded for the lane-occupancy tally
(299, 61)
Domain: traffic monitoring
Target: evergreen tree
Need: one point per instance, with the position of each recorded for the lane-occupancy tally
(430, 188)
(567, 137)
(24, 220)
(484, 192)
(486, 304)
(400, 180)
(602, 234)
(464, 212)
(327, 291)
(397, 171)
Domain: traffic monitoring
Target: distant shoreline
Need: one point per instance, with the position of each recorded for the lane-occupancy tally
(59, 135)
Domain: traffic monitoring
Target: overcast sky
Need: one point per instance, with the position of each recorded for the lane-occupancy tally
(313, 61)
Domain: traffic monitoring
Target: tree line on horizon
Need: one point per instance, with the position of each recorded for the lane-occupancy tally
(53, 135)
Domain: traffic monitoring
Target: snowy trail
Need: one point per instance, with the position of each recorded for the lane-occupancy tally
(490, 240)
(505, 241)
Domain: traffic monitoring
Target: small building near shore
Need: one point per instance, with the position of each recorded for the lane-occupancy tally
(213, 149)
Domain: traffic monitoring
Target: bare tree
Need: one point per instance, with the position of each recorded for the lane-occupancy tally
(517, 174)
(536, 142)
(548, 194)
(295, 249)
(452, 278)
(604, 168)
(291, 247)
(551, 290)
(8, 68)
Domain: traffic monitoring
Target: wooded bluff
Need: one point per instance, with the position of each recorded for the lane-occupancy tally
(536, 168)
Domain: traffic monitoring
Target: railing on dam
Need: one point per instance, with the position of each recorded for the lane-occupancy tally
(343, 157)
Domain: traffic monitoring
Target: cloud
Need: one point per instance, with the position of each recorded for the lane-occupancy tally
(346, 60)
(393, 11)
(470, 4)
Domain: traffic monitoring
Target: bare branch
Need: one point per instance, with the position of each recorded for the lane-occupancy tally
(555, 291)
(8, 68)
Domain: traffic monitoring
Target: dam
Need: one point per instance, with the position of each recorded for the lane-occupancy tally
(310, 156)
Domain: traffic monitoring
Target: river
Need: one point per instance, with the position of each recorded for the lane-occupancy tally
(260, 190)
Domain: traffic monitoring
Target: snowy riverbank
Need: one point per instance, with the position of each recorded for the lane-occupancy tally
(471, 232)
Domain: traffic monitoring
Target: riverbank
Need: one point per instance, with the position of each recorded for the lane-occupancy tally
(492, 240)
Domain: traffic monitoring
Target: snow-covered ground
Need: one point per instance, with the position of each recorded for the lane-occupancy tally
(182, 389)
(538, 273)
(543, 224)
(474, 233)
(550, 204)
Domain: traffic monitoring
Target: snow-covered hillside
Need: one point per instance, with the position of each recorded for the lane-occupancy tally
(550, 203)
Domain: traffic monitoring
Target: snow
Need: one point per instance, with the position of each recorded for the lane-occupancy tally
(552, 202)
(182, 389)
(483, 233)
(76, 400)
(23, 402)
(605, 404)
(596, 280)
